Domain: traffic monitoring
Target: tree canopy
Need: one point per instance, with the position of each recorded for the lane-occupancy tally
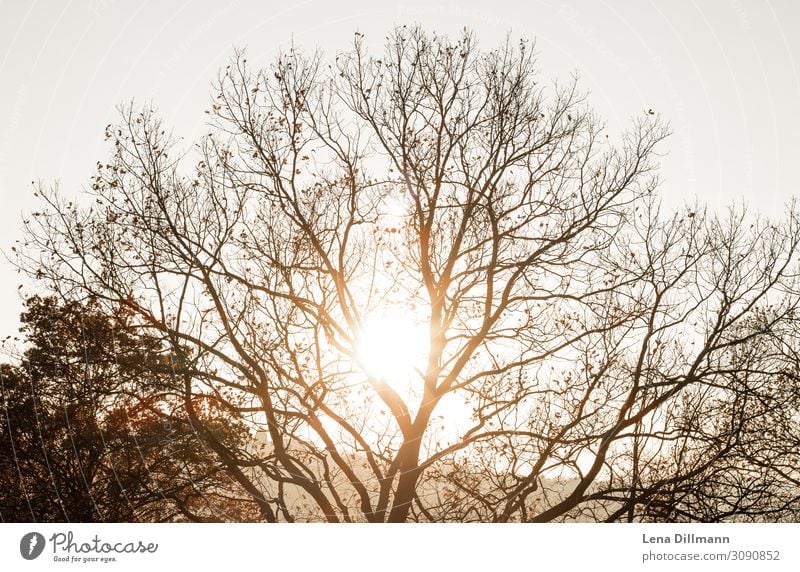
(443, 292)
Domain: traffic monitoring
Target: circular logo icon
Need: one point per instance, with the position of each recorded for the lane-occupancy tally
(31, 545)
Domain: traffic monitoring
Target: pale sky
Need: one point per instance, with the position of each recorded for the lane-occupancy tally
(724, 74)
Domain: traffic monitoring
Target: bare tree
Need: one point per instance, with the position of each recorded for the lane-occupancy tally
(574, 353)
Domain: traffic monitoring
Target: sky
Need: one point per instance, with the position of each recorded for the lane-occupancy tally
(725, 75)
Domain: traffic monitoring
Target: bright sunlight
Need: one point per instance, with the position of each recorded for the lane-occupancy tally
(392, 348)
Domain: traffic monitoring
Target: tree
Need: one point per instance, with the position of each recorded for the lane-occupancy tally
(445, 293)
(77, 446)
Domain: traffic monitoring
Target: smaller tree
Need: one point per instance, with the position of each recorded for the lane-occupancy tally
(91, 430)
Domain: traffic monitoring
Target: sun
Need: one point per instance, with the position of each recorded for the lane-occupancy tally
(391, 347)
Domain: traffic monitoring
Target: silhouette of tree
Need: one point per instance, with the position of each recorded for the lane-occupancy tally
(586, 355)
(90, 435)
